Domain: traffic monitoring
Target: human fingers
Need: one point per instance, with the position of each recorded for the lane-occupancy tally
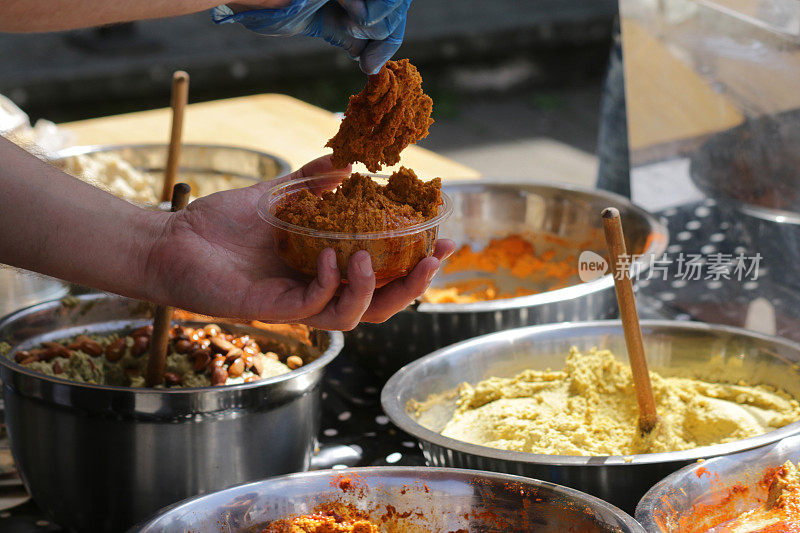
(382, 28)
(299, 300)
(370, 12)
(443, 249)
(397, 295)
(333, 24)
(320, 166)
(346, 311)
(377, 53)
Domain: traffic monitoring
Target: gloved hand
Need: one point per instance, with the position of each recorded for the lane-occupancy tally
(370, 31)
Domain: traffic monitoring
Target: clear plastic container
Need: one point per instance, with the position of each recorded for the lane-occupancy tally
(394, 253)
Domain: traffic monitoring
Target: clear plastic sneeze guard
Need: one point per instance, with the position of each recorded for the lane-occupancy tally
(713, 101)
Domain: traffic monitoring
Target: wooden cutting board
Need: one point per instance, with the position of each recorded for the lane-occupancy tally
(274, 123)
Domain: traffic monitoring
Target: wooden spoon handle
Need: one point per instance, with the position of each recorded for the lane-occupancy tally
(180, 95)
(620, 269)
(157, 357)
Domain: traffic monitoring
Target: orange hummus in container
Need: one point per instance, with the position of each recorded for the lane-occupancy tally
(395, 219)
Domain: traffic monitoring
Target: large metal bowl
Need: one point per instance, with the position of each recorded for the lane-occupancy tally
(198, 162)
(710, 482)
(672, 348)
(101, 458)
(484, 210)
(751, 170)
(403, 499)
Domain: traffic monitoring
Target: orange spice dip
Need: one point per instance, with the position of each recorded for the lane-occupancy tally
(778, 512)
(515, 254)
(393, 222)
(360, 205)
(322, 522)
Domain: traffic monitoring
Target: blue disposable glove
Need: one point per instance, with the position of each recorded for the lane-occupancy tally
(370, 31)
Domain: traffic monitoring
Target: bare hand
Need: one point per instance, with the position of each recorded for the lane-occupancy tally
(216, 257)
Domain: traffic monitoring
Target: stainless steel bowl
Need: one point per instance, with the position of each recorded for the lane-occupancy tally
(198, 163)
(21, 288)
(101, 458)
(485, 210)
(707, 483)
(751, 170)
(407, 499)
(672, 348)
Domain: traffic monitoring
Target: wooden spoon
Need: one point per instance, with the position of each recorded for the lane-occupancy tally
(180, 94)
(615, 242)
(157, 358)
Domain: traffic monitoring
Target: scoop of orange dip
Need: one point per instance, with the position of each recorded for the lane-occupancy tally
(360, 205)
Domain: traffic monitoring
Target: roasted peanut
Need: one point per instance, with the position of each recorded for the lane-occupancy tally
(57, 368)
(211, 330)
(294, 362)
(241, 342)
(28, 360)
(171, 378)
(21, 355)
(233, 355)
(217, 362)
(144, 331)
(93, 348)
(219, 376)
(115, 350)
(183, 345)
(201, 360)
(76, 344)
(236, 368)
(273, 356)
(140, 345)
(53, 350)
(221, 345)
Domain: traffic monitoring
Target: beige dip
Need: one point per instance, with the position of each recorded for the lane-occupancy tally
(589, 408)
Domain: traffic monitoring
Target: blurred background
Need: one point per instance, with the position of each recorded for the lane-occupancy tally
(516, 85)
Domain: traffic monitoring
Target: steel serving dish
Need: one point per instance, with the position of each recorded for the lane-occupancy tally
(403, 499)
(751, 170)
(709, 482)
(672, 348)
(484, 210)
(199, 163)
(101, 458)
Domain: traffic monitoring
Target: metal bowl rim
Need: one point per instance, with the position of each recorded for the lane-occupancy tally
(659, 490)
(283, 166)
(335, 347)
(593, 502)
(397, 413)
(657, 248)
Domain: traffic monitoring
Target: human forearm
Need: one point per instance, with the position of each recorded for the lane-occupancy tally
(57, 225)
(55, 15)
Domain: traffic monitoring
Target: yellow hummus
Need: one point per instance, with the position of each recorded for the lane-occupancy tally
(589, 408)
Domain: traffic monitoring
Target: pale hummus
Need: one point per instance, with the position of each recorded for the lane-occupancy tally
(589, 408)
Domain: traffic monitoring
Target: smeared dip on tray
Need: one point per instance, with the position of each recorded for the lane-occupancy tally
(770, 504)
(589, 408)
(545, 260)
(323, 522)
(196, 357)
